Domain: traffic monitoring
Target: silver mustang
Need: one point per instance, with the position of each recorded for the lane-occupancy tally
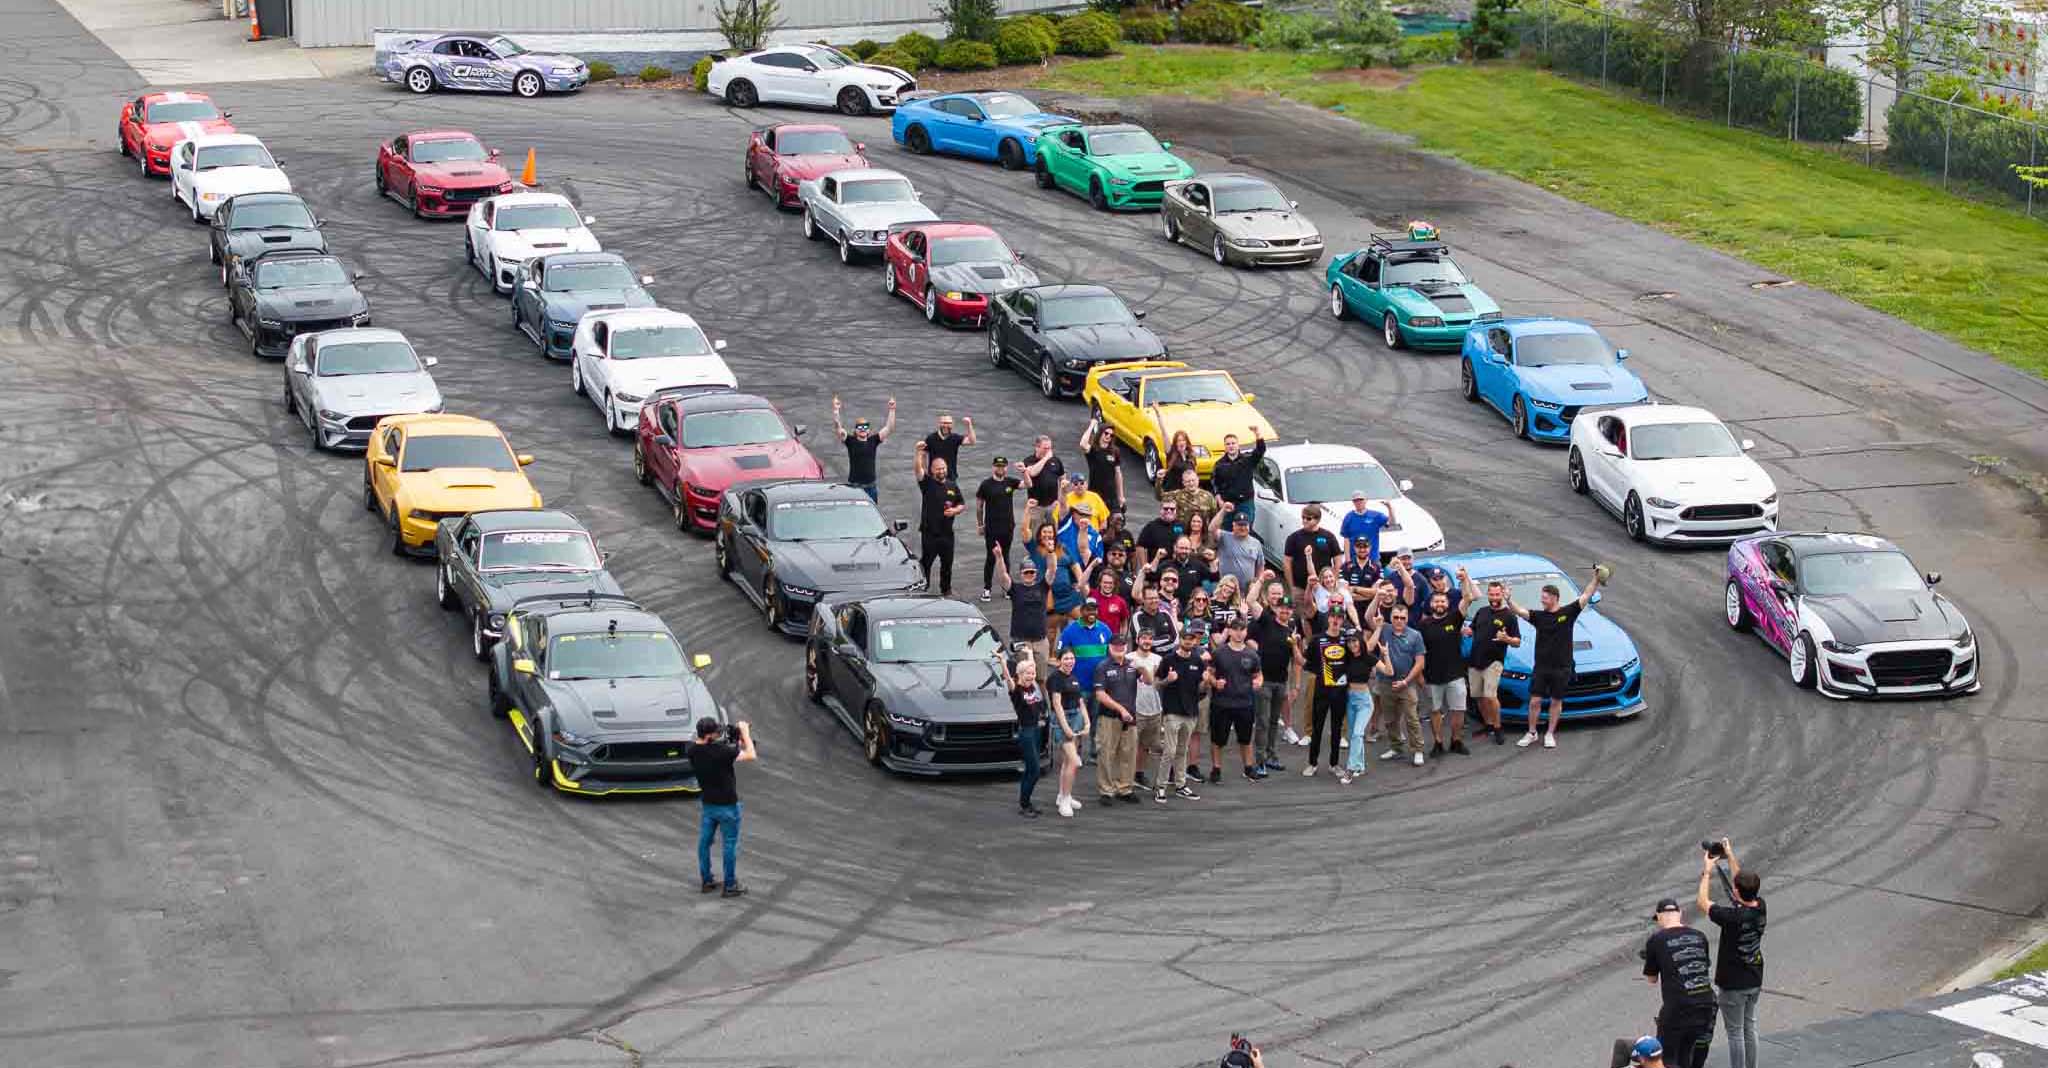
(1240, 219)
(340, 382)
(856, 208)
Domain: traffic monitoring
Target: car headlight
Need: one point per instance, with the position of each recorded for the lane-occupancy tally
(1548, 406)
(565, 736)
(422, 515)
(506, 186)
(1251, 242)
(908, 723)
(1489, 317)
(209, 196)
(1772, 499)
(1660, 502)
(331, 417)
(955, 295)
(626, 398)
(792, 590)
(430, 190)
(1425, 320)
(1073, 364)
(1119, 181)
(1834, 646)
(1968, 640)
(497, 620)
(271, 324)
(1312, 239)
(1201, 451)
(562, 324)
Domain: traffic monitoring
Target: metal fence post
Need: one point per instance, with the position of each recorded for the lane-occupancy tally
(1731, 85)
(1798, 79)
(1663, 78)
(1948, 126)
(2033, 146)
(1869, 119)
(1606, 22)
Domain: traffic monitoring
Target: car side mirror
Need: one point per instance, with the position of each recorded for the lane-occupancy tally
(1620, 354)
(1294, 204)
(525, 459)
(529, 283)
(1165, 144)
(700, 661)
(1019, 256)
(227, 114)
(299, 367)
(1139, 314)
(860, 146)
(1251, 398)
(646, 279)
(492, 155)
(1747, 444)
(318, 222)
(432, 361)
(900, 525)
(1780, 585)
(664, 441)
(386, 461)
(523, 666)
(1933, 578)
(1405, 485)
(718, 345)
(356, 275)
(604, 557)
(1026, 320)
(590, 220)
(800, 429)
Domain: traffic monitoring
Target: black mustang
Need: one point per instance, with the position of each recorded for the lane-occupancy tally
(788, 543)
(1053, 334)
(255, 223)
(490, 560)
(279, 295)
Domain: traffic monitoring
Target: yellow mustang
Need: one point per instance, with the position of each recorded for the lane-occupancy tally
(1147, 402)
(421, 469)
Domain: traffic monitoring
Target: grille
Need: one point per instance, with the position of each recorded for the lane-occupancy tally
(1909, 667)
(1723, 511)
(1593, 682)
(314, 326)
(974, 733)
(363, 422)
(1154, 186)
(641, 752)
(856, 567)
(551, 244)
(468, 196)
(1284, 242)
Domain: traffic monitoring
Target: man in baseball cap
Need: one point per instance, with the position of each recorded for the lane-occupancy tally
(1678, 960)
(1647, 1052)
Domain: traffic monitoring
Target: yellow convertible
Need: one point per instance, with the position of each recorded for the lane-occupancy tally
(1147, 402)
(421, 469)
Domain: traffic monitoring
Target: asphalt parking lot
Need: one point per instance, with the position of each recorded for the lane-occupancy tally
(255, 812)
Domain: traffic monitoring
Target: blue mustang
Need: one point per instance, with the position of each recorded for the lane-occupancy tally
(995, 126)
(1607, 672)
(1541, 372)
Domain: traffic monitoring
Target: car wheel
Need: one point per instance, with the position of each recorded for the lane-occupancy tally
(1575, 471)
(468, 247)
(1337, 308)
(871, 734)
(740, 93)
(682, 506)
(917, 140)
(369, 497)
(527, 85)
(931, 305)
(1096, 198)
(1167, 226)
(721, 557)
(1800, 659)
(995, 348)
(1153, 468)
(1048, 382)
(397, 533)
(491, 272)
(312, 433)
(576, 377)
(444, 594)
(291, 402)
(640, 474)
(1042, 174)
(1519, 418)
(419, 80)
(814, 683)
(1216, 252)
(1010, 154)
(752, 182)
(494, 700)
(1468, 386)
(383, 186)
(810, 226)
(845, 249)
(142, 162)
(1632, 517)
(771, 612)
(197, 219)
(223, 272)
(540, 755)
(888, 277)
(121, 142)
(1736, 608)
(212, 252)
(256, 342)
(479, 645)
(1390, 330)
(611, 416)
(414, 200)
(852, 101)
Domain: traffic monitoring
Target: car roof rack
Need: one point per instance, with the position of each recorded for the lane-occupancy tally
(1402, 243)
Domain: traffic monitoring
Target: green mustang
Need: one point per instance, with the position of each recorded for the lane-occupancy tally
(1117, 166)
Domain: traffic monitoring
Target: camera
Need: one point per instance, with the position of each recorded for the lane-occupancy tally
(734, 735)
(1714, 850)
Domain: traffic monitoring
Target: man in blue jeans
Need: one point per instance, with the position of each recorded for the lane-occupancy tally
(714, 759)
(1739, 966)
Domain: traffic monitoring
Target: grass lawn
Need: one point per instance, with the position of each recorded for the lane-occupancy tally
(2036, 961)
(1976, 273)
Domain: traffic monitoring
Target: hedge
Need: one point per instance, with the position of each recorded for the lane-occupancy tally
(700, 74)
(1429, 47)
(600, 71)
(1145, 26)
(864, 49)
(1217, 22)
(1981, 147)
(891, 57)
(1025, 40)
(1282, 31)
(655, 72)
(1091, 33)
(916, 44)
(967, 55)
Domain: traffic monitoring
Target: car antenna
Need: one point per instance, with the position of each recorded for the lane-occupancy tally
(611, 629)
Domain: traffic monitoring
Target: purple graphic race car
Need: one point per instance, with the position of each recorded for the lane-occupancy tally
(484, 62)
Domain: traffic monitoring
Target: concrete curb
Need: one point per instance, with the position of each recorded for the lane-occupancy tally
(1985, 970)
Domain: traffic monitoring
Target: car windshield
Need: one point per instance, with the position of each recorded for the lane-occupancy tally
(182, 111)
(271, 214)
(1095, 309)
(1249, 197)
(1859, 572)
(231, 156)
(1192, 389)
(1543, 350)
(933, 641)
(568, 277)
(952, 250)
(536, 217)
(1122, 143)
(367, 358)
(1337, 482)
(644, 341)
(830, 59)
(748, 426)
(1006, 105)
(812, 142)
(825, 521)
(538, 550)
(506, 47)
(448, 150)
(300, 273)
(1681, 441)
(875, 191)
(434, 451)
(1422, 269)
(623, 654)
(1526, 590)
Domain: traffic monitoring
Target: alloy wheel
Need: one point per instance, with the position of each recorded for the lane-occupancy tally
(419, 80)
(1336, 302)
(1048, 382)
(527, 85)
(1575, 471)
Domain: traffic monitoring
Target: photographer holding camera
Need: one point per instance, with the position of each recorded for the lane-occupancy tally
(1678, 958)
(714, 758)
(1739, 973)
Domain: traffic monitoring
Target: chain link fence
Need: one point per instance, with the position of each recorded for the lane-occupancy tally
(1787, 94)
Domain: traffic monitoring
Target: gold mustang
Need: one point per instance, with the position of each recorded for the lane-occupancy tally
(421, 469)
(1147, 402)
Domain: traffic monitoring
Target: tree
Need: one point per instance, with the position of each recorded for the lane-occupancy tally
(1491, 30)
(2034, 176)
(1906, 37)
(970, 20)
(1366, 23)
(746, 24)
(1763, 23)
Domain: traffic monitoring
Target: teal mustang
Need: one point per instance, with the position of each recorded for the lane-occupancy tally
(1410, 286)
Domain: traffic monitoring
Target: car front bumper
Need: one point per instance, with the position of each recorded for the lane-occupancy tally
(156, 162)
(702, 507)
(967, 309)
(1275, 256)
(1898, 669)
(1590, 696)
(558, 342)
(1449, 337)
(923, 754)
(454, 203)
(1708, 524)
(1139, 194)
(566, 83)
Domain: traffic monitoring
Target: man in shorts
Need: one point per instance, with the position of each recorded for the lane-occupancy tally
(1443, 674)
(1235, 677)
(1552, 673)
(1493, 630)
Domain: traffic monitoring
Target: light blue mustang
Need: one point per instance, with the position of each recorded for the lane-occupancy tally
(1541, 372)
(994, 126)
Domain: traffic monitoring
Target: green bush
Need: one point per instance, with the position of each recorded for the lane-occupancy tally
(1368, 24)
(1090, 33)
(700, 74)
(1281, 31)
(654, 72)
(967, 55)
(864, 49)
(1217, 22)
(1428, 48)
(1025, 40)
(1145, 26)
(1490, 34)
(600, 71)
(1982, 147)
(916, 44)
(890, 57)
(1110, 7)
(970, 20)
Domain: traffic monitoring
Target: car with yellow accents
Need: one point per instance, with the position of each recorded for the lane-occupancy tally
(1147, 402)
(600, 695)
(421, 469)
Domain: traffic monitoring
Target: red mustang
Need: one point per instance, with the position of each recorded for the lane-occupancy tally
(439, 173)
(693, 444)
(950, 270)
(779, 157)
(153, 123)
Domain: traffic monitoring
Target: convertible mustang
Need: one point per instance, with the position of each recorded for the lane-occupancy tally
(439, 173)
(1117, 166)
(255, 223)
(600, 695)
(341, 383)
(421, 469)
(949, 270)
(1672, 473)
(1410, 288)
(153, 122)
(1851, 615)
(694, 443)
(483, 62)
(1054, 334)
(551, 293)
(807, 74)
(506, 230)
(1240, 219)
(788, 544)
(856, 209)
(1147, 402)
(1607, 672)
(1541, 373)
(914, 679)
(621, 358)
(1294, 476)
(206, 171)
(280, 295)
(1000, 126)
(491, 561)
(780, 158)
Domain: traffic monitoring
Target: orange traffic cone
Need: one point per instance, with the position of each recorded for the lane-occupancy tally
(527, 177)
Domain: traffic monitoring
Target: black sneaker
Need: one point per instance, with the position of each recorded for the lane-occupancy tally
(1251, 776)
(1216, 774)
(1437, 749)
(1104, 800)
(710, 886)
(1189, 793)
(735, 890)
(1499, 738)
(1194, 773)
(1128, 799)
(1028, 812)
(1459, 748)
(1139, 778)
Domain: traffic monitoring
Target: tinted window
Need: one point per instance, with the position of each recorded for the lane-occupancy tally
(1092, 310)
(536, 217)
(1671, 441)
(1831, 573)
(269, 213)
(1408, 272)
(300, 273)
(459, 148)
(232, 156)
(643, 341)
(930, 641)
(1249, 198)
(1005, 105)
(457, 450)
(566, 277)
(507, 47)
(1122, 143)
(1542, 350)
(875, 192)
(538, 550)
(988, 249)
(805, 142)
(615, 655)
(825, 520)
(366, 358)
(752, 426)
(1337, 482)
(182, 111)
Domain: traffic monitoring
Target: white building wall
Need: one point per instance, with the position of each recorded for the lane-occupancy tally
(321, 23)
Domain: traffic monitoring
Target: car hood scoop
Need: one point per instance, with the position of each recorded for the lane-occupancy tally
(991, 272)
(658, 703)
(753, 461)
(1886, 616)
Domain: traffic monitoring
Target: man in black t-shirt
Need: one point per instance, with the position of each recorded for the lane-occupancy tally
(995, 516)
(1235, 675)
(1493, 630)
(1308, 550)
(1193, 570)
(1279, 643)
(719, 798)
(1116, 724)
(1327, 657)
(1739, 967)
(1156, 538)
(1152, 617)
(1231, 478)
(1180, 675)
(1443, 674)
(1678, 959)
(1551, 674)
(941, 503)
(1042, 475)
(943, 444)
(861, 447)
(1030, 599)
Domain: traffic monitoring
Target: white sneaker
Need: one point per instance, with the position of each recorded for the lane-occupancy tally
(1550, 741)
(987, 594)
(1418, 760)
(1310, 770)
(1066, 807)
(1293, 736)
(1300, 739)
(1390, 754)
(1344, 742)
(1527, 740)
(1345, 778)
